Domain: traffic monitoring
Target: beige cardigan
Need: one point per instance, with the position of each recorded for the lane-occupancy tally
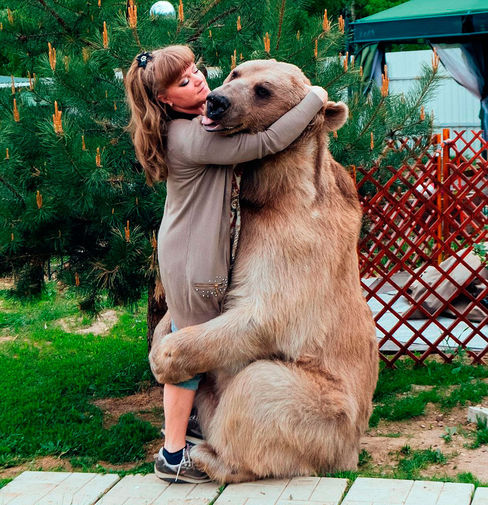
(194, 236)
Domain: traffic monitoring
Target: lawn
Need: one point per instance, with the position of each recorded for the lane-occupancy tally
(75, 399)
(50, 377)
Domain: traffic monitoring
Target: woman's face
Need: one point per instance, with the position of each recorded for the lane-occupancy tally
(188, 93)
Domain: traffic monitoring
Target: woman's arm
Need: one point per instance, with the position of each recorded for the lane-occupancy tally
(191, 142)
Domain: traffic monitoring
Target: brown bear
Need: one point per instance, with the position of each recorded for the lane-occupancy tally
(292, 361)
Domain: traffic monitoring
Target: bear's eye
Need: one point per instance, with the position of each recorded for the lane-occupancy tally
(261, 91)
(234, 75)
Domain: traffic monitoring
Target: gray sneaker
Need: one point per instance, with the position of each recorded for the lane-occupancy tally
(193, 431)
(185, 471)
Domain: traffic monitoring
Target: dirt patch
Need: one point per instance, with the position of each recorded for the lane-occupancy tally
(101, 326)
(6, 282)
(384, 442)
(6, 338)
(147, 405)
(46, 463)
(474, 461)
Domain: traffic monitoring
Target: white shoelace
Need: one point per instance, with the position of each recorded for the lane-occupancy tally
(185, 460)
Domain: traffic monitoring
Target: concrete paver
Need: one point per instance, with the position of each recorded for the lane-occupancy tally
(188, 494)
(56, 488)
(149, 490)
(378, 491)
(477, 413)
(406, 492)
(297, 491)
(60, 488)
(145, 488)
(261, 492)
(480, 496)
(453, 493)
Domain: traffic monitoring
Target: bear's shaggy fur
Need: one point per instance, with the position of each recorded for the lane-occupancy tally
(293, 359)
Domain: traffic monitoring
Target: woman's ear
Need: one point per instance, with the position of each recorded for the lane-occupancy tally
(335, 115)
(162, 98)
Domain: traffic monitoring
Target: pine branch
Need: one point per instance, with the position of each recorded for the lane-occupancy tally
(419, 100)
(66, 7)
(75, 168)
(207, 9)
(53, 13)
(12, 189)
(388, 148)
(291, 56)
(136, 38)
(33, 36)
(367, 125)
(282, 13)
(60, 21)
(337, 78)
(210, 23)
(371, 119)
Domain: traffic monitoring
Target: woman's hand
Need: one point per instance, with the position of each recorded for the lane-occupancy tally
(320, 92)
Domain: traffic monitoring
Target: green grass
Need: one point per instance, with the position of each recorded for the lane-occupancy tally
(469, 478)
(412, 462)
(364, 457)
(18, 316)
(395, 434)
(449, 432)
(49, 378)
(451, 385)
(4, 482)
(219, 492)
(481, 436)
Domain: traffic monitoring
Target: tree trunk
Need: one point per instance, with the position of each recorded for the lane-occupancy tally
(156, 308)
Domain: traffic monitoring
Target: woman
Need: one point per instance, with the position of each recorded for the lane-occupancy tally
(196, 242)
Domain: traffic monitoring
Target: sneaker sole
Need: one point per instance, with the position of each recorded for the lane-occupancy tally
(189, 438)
(171, 477)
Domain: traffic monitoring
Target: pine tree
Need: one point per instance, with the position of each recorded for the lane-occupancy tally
(71, 189)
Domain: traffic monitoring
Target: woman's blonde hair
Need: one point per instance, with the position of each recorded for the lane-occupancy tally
(149, 116)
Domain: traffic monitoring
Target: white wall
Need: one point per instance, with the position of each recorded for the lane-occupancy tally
(454, 107)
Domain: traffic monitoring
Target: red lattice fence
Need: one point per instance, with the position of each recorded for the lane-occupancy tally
(427, 290)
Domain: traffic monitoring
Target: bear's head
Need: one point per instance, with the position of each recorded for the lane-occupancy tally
(257, 93)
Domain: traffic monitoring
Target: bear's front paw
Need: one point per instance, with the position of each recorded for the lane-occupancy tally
(170, 360)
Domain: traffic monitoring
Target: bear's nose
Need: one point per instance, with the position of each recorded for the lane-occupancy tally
(216, 106)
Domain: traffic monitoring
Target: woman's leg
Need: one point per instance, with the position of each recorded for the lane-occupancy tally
(178, 402)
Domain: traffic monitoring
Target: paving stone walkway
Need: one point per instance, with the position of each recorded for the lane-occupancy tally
(59, 488)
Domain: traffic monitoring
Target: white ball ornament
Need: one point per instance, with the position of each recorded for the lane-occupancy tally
(163, 9)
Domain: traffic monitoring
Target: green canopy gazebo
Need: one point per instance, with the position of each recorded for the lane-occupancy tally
(425, 19)
(446, 25)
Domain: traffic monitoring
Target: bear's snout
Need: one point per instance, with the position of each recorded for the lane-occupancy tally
(216, 106)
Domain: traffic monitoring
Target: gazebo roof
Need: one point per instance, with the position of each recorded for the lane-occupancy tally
(419, 19)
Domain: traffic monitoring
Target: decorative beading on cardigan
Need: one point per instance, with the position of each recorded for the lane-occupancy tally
(216, 287)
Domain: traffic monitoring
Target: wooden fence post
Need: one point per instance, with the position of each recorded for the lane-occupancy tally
(439, 200)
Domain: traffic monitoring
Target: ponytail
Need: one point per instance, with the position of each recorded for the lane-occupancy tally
(149, 118)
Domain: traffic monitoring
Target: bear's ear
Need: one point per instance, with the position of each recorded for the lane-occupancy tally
(335, 115)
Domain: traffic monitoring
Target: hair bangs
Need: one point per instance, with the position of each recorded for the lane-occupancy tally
(171, 62)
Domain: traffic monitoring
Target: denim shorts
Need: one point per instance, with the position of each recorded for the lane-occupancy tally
(194, 381)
